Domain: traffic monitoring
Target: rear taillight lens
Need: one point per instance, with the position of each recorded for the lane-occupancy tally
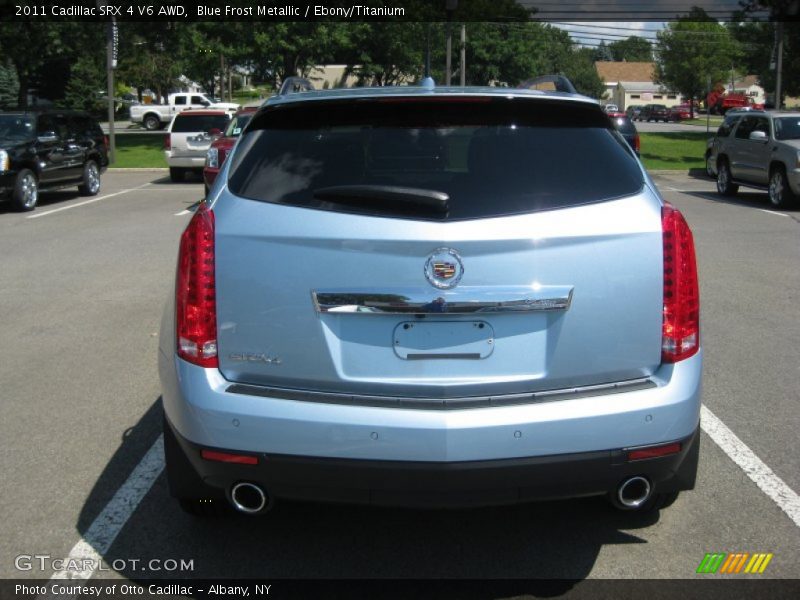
(168, 142)
(195, 293)
(681, 325)
(636, 145)
(212, 158)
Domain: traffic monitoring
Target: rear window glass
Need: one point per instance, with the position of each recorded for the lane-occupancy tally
(787, 128)
(492, 157)
(190, 123)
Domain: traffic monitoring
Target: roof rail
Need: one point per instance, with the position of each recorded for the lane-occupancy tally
(560, 83)
(292, 85)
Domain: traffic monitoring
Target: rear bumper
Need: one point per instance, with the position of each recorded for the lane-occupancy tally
(187, 162)
(448, 484)
(203, 408)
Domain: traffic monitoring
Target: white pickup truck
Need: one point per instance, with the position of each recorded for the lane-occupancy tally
(156, 116)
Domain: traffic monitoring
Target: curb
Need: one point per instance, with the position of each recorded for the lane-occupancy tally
(138, 169)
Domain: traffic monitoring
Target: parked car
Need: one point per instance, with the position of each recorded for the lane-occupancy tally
(156, 116)
(406, 296)
(46, 150)
(627, 129)
(611, 108)
(761, 151)
(654, 112)
(188, 138)
(220, 148)
(713, 144)
(680, 112)
(633, 111)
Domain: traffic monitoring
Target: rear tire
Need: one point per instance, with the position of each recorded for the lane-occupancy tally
(725, 185)
(151, 123)
(177, 174)
(185, 485)
(26, 191)
(90, 181)
(780, 194)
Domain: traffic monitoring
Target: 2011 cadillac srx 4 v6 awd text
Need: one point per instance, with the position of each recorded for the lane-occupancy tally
(432, 297)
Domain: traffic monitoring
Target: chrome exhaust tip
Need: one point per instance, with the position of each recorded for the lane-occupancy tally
(634, 492)
(249, 498)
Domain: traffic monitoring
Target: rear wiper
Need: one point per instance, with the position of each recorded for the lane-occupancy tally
(391, 194)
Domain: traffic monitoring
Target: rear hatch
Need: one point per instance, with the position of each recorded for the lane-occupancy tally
(191, 133)
(437, 247)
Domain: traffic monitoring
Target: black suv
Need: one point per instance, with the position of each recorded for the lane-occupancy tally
(654, 112)
(49, 149)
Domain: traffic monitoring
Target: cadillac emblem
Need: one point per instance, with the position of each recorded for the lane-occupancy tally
(444, 268)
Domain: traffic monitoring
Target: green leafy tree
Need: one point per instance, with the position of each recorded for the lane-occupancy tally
(9, 85)
(86, 83)
(632, 49)
(691, 51)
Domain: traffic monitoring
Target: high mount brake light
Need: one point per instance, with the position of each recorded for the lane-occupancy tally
(681, 324)
(195, 292)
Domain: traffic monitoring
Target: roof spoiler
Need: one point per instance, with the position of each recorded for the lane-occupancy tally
(292, 85)
(559, 82)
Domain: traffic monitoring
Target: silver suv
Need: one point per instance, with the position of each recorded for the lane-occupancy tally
(758, 149)
(432, 297)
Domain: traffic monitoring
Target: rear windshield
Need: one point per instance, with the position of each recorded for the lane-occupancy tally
(491, 156)
(205, 123)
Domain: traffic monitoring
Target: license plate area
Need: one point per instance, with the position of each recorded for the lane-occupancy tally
(430, 340)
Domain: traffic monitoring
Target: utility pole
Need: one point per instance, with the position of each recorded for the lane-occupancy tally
(450, 6)
(221, 76)
(778, 63)
(463, 54)
(111, 63)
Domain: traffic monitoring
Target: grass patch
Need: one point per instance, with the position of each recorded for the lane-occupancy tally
(674, 150)
(139, 150)
(714, 121)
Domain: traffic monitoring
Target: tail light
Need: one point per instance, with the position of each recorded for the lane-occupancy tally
(636, 145)
(168, 142)
(195, 293)
(681, 325)
(105, 140)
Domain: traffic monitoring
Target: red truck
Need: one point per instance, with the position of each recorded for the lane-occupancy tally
(719, 102)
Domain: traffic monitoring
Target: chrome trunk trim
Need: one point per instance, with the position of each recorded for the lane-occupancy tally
(442, 403)
(465, 300)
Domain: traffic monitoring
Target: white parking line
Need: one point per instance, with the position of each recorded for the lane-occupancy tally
(772, 212)
(764, 477)
(670, 188)
(183, 212)
(76, 205)
(104, 529)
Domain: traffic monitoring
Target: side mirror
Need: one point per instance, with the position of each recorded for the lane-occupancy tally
(48, 137)
(758, 136)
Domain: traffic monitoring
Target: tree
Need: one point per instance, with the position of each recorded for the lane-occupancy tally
(632, 49)
(87, 79)
(603, 52)
(693, 50)
(758, 40)
(9, 85)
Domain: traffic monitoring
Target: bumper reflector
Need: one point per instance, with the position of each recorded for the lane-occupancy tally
(239, 459)
(653, 452)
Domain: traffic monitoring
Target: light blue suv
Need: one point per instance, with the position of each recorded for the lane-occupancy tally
(432, 297)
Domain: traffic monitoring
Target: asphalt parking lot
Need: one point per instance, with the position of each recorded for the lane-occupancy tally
(82, 286)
